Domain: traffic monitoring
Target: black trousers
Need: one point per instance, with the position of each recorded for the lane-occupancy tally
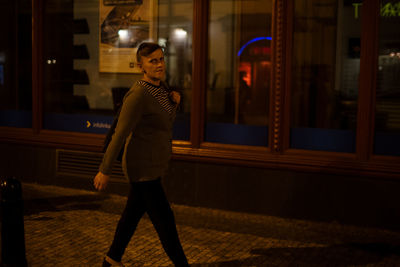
(148, 197)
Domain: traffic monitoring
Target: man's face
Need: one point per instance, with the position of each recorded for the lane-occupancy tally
(153, 65)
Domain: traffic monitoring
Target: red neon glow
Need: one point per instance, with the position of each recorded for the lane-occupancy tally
(260, 50)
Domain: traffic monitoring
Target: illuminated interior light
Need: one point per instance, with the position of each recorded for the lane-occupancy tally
(392, 54)
(123, 35)
(180, 33)
(162, 42)
(245, 72)
(252, 41)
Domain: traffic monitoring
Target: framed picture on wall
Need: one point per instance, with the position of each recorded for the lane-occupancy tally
(123, 25)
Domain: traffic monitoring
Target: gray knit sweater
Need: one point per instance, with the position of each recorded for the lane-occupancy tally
(145, 122)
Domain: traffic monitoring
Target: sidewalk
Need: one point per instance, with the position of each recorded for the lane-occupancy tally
(69, 227)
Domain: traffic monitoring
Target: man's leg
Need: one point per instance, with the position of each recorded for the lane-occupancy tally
(162, 217)
(128, 222)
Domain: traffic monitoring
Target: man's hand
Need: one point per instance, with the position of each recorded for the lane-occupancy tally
(100, 181)
(175, 97)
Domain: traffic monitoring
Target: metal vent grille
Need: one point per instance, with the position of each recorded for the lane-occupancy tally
(82, 164)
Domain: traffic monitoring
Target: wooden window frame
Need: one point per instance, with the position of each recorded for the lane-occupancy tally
(278, 155)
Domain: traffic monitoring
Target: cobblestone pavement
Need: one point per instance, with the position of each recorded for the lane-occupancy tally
(69, 227)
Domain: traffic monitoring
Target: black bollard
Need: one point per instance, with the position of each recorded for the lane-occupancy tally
(12, 224)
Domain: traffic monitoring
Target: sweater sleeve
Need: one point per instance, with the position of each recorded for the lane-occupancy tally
(131, 112)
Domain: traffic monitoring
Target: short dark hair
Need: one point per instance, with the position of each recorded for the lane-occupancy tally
(146, 49)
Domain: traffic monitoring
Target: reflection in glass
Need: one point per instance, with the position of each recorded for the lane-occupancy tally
(175, 33)
(387, 115)
(89, 66)
(325, 70)
(16, 63)
(239, 72)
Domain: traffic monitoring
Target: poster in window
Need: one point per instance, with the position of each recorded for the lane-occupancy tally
(124, 24)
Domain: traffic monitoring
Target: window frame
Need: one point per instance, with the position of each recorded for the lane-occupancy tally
(277, 154)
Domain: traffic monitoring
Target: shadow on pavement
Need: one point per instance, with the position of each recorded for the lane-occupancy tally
(338, 255)
(75, 202)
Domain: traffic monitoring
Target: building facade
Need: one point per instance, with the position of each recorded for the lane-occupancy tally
(289, 108)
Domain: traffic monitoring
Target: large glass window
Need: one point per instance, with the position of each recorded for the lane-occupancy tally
(239, 67)
(175, 30)
(325, 74)
(90, 58)
(16, 63)
(387, 116)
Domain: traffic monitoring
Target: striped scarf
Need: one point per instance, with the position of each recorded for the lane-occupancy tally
(160, 94)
